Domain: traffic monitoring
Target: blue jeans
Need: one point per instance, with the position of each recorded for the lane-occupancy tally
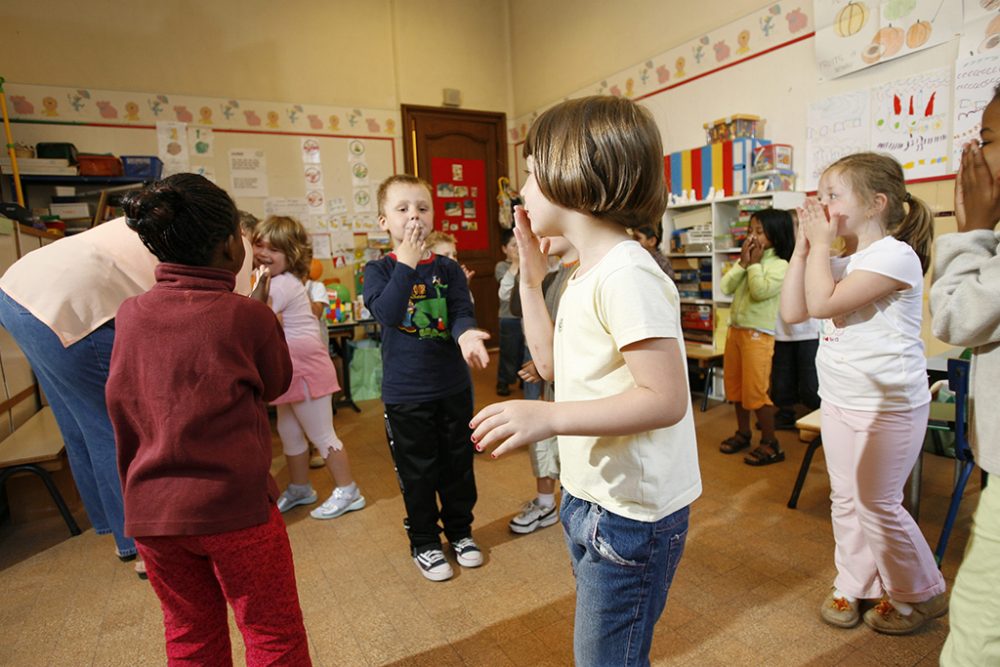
(623, 570)
(73, 379)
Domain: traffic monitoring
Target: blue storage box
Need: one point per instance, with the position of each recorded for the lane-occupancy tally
(142, 166)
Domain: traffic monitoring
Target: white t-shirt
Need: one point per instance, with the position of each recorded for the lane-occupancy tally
(625, 298)
(873, 359)
(787, 333)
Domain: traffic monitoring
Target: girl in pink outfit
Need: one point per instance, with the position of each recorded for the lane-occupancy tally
(305, 411)
(872, 381)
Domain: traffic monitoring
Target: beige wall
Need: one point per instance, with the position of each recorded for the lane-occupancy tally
(561, 46)
(375, 53)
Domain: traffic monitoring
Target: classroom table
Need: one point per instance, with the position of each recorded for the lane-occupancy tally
(340, 335)
(708, 359)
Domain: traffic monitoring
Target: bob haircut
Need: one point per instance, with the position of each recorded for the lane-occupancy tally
(601, 156)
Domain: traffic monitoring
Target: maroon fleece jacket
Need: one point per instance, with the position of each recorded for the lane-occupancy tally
(192, 370)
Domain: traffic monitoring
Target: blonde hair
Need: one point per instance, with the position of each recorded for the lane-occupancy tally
(871, 174)
(290, 237)
(399, 179)
(601, 156)
(440, 237)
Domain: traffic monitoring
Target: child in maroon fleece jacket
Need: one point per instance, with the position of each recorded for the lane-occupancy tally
(192, 369)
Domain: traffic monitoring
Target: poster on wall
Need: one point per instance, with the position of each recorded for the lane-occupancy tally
(855, 34)
(837, 126)
(247, 172)
(172, 147)
(910, 122)
(460, 201)
(975, 80)
(981, 32)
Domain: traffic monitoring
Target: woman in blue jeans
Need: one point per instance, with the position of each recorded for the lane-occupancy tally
(59, 304)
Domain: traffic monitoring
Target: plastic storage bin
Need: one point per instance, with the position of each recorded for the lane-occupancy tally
(772, 156)
(59, 150)
(738, 126)
(99, 165)
(142, 166)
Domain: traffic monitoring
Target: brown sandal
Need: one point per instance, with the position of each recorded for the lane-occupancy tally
(735, 443)
(767, 453)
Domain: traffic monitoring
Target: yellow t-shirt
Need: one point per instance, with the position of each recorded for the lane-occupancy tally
(625, 298)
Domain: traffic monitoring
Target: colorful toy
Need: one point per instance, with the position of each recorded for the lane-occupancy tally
(739, 126)
(772, 156)
(723, 166)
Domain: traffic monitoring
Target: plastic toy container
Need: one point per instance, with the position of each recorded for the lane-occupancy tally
(99, 165)
(775, 179)
(738, 126)
(771, 157)
(147, 167)
(60, 150)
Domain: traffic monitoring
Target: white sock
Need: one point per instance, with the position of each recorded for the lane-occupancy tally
(546, 499)
(837, 593)
(299, 490)
(902, 607)
(350, 490)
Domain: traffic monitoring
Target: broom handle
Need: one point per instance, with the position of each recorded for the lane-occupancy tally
(10, 145)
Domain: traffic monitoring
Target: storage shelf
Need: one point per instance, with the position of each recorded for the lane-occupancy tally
(689, 254)
(698, 302)
(728, 251)
(80, 180)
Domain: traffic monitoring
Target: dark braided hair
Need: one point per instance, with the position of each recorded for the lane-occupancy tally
(182, 218)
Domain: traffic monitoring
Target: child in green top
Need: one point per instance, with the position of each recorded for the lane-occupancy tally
(755, 283)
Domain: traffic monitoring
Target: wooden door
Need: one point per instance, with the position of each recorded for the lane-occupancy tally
(462, 154)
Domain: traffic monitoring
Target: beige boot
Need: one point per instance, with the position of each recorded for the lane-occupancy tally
(839, 612)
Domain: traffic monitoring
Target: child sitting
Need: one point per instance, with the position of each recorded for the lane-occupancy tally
(192, 367)
(428, 336)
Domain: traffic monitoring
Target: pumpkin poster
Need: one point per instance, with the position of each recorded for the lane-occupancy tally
(855, 34)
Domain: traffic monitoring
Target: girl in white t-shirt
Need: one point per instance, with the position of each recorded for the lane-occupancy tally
(872, 381)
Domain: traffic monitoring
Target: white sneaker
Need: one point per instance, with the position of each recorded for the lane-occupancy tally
(532, 517)
(287, 500)
(432, 564)
(467, 553)
(338, 503)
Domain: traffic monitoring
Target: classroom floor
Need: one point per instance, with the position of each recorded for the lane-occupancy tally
(746, 592)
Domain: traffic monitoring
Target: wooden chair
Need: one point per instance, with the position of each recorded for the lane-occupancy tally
(36, 447)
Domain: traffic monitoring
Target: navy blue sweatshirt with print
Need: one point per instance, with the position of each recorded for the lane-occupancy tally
(423, 312)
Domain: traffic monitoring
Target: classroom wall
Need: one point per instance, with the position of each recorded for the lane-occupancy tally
(377, 53)
(560, 46)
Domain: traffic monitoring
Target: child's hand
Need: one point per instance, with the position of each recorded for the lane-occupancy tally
(411, 250)
(511, 424)
(818, 228)
(977, 192)
(801, 242)
(472, 344)
(261, 281)
(529, 373)
(468, 273)
(532, 251)
(745, 251)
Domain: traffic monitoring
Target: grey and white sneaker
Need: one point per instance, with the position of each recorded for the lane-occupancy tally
(432, 564)
(532, 517)
(289, 499)
(467, 553)
(339, 503)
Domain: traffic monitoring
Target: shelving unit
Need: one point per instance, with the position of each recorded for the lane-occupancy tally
(705, 231)
(102, 191)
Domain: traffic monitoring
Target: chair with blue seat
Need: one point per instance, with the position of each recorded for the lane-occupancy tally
(958, 382)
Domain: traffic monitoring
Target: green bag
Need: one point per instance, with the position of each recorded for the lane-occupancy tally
(366, 369)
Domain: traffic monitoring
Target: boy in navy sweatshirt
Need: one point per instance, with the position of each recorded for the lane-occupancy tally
(422, 302)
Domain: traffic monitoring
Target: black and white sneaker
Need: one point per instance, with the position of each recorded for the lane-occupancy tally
(432, 564)
(467, 553)
(532, 517)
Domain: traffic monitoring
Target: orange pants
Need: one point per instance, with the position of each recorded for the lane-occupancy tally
(747, 367)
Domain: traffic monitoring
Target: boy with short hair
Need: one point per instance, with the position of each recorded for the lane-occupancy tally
(428, 336)
(511, 334)
(622, 412)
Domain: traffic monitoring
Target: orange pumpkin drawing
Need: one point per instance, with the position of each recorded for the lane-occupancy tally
(851, 19)
(885, 44)
(918, 34)
(993, 27)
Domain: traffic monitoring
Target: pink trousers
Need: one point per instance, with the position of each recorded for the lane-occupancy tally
(879, 547)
